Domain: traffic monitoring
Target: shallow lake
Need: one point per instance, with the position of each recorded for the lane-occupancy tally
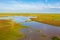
(36, 30)
(31, 33)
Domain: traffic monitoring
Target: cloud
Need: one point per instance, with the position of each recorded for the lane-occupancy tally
(14, 6)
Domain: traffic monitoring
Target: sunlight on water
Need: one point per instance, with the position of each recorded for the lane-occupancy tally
(35, 29)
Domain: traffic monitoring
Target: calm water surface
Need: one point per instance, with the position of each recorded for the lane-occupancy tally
(46, 30)
(32, 33)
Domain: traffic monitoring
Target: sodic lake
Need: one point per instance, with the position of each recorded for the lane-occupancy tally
(36, 30)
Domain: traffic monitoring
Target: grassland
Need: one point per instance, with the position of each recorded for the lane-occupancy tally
(52, 19)
(9, 30)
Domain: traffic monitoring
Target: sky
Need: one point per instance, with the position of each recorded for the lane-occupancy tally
(30, 6)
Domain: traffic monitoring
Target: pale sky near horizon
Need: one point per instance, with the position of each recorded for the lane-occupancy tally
(32, 6)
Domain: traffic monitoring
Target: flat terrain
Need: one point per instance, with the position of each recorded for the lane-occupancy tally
(28, 14)
(52, 19)
(9, 30)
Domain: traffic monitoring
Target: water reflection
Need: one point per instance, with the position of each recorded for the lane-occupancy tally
(48, 30)
(31, 33)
